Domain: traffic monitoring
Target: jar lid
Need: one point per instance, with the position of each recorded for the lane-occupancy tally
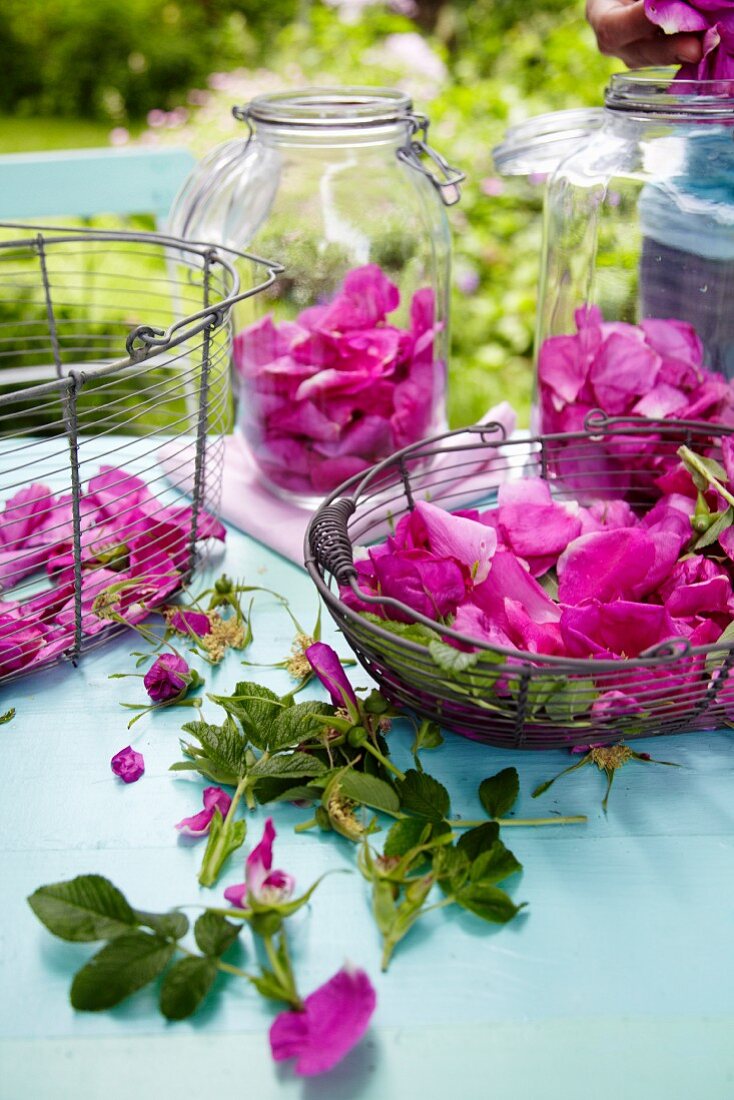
(331, 107)
(539, 144)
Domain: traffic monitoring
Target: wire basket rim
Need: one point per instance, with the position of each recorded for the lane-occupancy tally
(145, 341)
(663, 655)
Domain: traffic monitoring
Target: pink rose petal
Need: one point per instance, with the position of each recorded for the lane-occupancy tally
(198, 825)
(334, 1019)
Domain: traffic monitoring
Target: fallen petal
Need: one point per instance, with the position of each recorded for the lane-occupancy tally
(334, 1019)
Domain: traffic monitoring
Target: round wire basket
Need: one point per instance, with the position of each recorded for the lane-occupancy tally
(115, 395)
(504, 696)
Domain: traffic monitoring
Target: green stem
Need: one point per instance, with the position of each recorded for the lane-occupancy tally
(690, 458)
(229, 969)
(284, 974)
(250, 798)
(574, 819)
(383, 760)
(236, 914)
(226, 967)
(305, 826)
(577, 819)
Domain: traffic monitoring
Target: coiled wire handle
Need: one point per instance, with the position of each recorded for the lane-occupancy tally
(329, 540)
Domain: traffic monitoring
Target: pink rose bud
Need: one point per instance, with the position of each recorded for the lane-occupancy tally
(128, 764)
(166, 678)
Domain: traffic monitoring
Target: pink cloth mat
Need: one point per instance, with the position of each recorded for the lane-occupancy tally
(250, 507)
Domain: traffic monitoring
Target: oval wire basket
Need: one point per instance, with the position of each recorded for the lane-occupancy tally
(504, 696)
(115, 395)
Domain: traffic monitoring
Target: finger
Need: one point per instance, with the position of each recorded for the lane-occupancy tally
(673, 50)
(618, 24)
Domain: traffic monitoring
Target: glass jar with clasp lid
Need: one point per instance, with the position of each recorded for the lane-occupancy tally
(636, 300)
(346, 361)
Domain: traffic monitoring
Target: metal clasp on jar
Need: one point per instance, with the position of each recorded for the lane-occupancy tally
(449, 178)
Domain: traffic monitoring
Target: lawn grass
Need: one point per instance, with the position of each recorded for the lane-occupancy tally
(28, 135)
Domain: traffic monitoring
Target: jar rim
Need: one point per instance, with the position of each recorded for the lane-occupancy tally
(537, 144)
(659, 92)
(330, 107)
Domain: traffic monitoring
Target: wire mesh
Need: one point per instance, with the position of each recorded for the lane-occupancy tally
(508, 697)
(115, 396)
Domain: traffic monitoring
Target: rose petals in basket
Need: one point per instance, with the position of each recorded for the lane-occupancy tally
(625, 627)
(132, 547)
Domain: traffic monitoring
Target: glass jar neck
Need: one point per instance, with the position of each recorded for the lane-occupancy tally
(331, 116)
(395, 134)
(655, 94)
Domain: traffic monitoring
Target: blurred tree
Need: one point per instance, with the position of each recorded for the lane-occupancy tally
(117, 60)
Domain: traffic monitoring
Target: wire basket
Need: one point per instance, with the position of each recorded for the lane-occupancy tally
(507, 697)
(115, 395)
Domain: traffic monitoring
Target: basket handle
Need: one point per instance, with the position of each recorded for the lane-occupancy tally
(329, 540)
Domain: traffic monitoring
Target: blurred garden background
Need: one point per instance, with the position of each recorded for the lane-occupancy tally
(78, 73)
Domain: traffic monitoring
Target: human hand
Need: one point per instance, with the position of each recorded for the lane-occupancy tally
(623, 30)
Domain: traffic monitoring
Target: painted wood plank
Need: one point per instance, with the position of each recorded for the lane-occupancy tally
(91, 181)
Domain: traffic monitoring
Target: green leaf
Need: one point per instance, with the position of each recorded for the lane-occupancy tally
(8, 716)
(423, 795)
(412, 632)
(213, 934)
(185, 986)
(726, 638)
(452, 660)
(451, 867)
(173, 925)
(255, 707)
(549, 583)
(710, 536)
(488, 902)
(476, 841)
(299, 723)
(83, 909)
(571, 700)
(277, 790)
(369, 790)
(123, 966)
(405, 835)
(495, 865)
(223, 748)
(539, 691)
(498, 794)
(295, 765)
(427, 736)
(701, 469)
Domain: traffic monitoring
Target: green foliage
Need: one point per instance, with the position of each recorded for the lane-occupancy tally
(117, 59)
(498, 794)
(85, 909)
(503, 62)
(123, 966)
(185, 986)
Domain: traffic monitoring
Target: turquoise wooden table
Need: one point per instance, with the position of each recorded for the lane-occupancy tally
(617, 981)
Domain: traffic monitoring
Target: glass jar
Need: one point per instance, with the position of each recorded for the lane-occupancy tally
(636, 307)
(345, 361)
